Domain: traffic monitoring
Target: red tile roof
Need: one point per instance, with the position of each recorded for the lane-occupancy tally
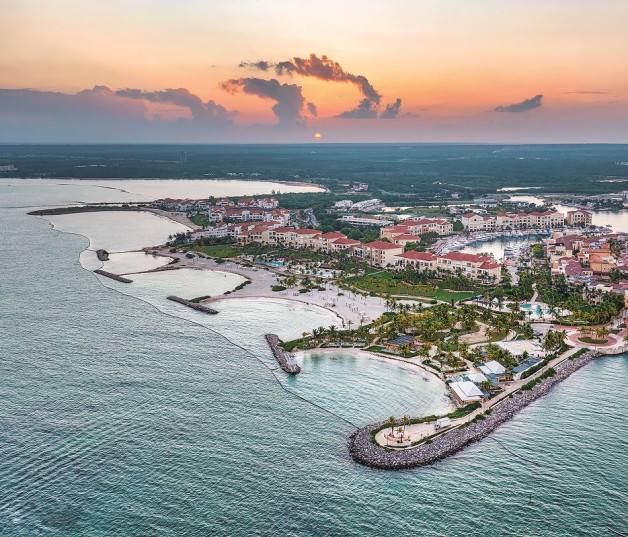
(381, 245)
(333, 235)
(421, 256)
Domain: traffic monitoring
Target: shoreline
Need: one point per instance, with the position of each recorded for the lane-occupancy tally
(367, 453)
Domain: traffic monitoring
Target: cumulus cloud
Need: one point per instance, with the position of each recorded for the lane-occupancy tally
(392, 110)
(289, 100)
(103, 114)
(312, 108)
(364, 110)
(523, 106)
(324, 68)
(201, 111)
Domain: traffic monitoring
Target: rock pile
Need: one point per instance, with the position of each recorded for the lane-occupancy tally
(113, 276)
(193, 305)
(280, 355)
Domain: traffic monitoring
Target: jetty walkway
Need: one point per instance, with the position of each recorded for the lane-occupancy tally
(364, 451)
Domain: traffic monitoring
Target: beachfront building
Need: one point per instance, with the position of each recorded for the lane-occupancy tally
(579, 218)
(379, 253)
(466, 392)
(417, 260)
(397, 344)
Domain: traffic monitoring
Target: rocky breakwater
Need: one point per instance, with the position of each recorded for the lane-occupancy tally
(365, 451)
(113, 276)
(193, 305)
(280, 355)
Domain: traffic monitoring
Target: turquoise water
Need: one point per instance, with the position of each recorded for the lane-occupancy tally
(123, 415)
(535, 309)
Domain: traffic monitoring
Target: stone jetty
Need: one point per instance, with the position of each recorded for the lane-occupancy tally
(113, 276)
(280, 355)
(364, 451)
(193, 305)
(102, 255)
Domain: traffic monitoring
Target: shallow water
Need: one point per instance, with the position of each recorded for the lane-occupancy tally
(360, 388)
(122, 417)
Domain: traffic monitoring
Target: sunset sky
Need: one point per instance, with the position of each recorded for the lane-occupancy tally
(269, 71)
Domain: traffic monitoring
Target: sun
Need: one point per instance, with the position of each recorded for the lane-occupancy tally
(318, 136)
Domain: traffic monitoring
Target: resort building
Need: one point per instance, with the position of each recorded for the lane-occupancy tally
(417, 260)
(521, 220)
(476, 222)
(579, 218)
(472, 266)
(379, 253)
(418, 227)
(466, 392)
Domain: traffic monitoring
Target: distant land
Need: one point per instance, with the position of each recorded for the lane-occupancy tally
(397, 173)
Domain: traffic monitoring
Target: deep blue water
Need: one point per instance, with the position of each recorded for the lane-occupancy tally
(119, 418)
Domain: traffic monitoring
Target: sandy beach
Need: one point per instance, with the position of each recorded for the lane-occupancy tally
(345, 305)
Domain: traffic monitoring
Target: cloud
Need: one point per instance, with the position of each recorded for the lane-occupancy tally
(364, 110)
(392, 110)
(201, 111)
(312, 108)
(523, 106)
(101, 114)
(289, 100)
(324, 68)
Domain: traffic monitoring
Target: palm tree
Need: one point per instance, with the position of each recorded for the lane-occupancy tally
(406, 421)
(391, 423)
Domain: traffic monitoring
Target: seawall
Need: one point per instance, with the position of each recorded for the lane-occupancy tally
(364, 451)
(113, 276)
(280, 355)
(193, 305)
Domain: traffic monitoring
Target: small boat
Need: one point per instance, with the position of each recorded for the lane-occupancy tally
(333, 358)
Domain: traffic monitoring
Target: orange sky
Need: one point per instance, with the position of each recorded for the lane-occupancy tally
(450, 62)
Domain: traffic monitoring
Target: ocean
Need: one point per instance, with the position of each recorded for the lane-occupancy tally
(122, 414)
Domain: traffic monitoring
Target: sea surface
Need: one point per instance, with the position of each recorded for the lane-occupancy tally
(123, 414)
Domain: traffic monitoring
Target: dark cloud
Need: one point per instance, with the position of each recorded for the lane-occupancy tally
(201, 111)
(326, 69)
(364, 110)
(261, 65)
(102, 115)
(392, 110)
(523, 106)
(312, 108)
(288, 97)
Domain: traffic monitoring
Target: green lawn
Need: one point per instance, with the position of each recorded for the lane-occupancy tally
(219, 250)
(381, 282)
(200, 220)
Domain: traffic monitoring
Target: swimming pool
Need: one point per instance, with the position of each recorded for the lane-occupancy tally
(535, 309)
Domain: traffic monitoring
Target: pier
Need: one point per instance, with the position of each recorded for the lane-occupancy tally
(113, 276)
(280, 355)
(193, 305)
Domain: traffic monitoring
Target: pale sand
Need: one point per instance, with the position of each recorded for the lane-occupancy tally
(348, 307)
